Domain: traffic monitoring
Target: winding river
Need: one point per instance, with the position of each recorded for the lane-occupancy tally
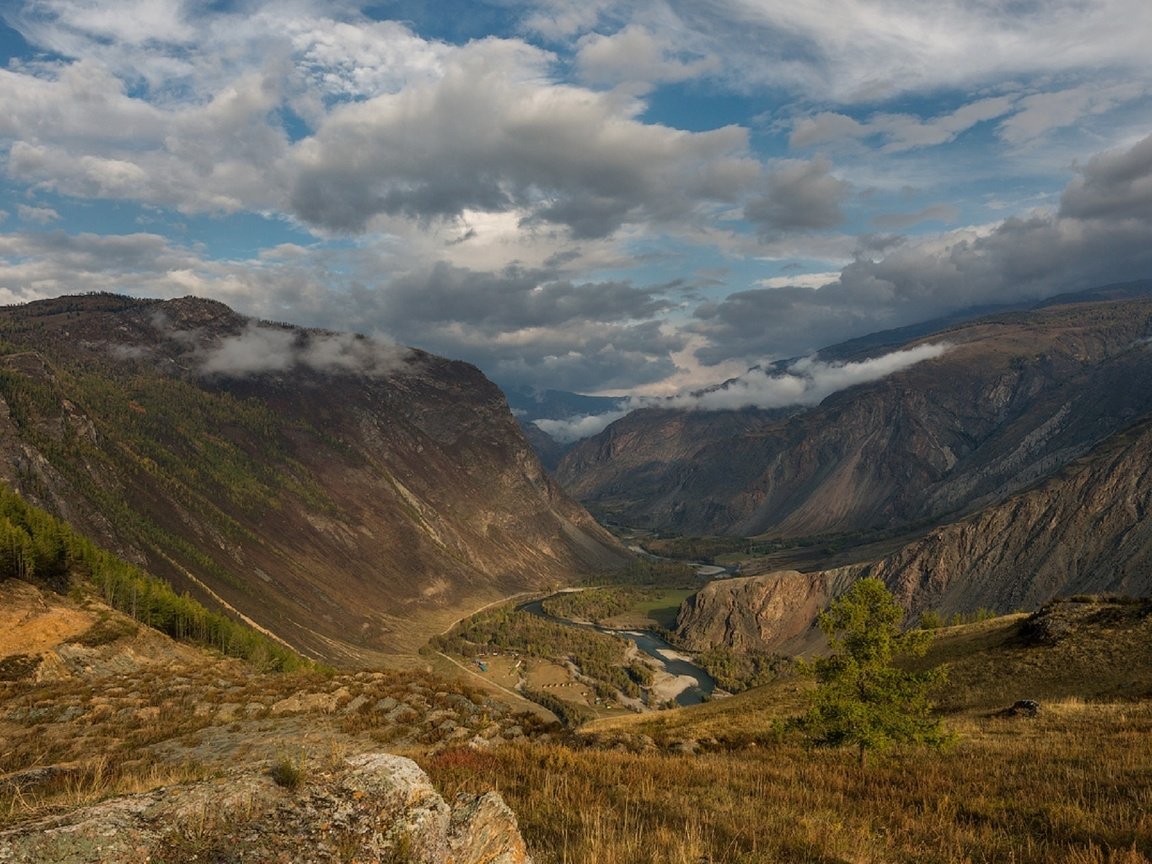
(671, 660)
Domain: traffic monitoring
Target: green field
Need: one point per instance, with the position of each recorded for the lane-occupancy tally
(658, 610)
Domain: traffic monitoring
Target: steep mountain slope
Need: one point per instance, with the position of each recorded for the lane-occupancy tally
(1085, 531)
(1014, 397)
(349, 496)
(1082, 531)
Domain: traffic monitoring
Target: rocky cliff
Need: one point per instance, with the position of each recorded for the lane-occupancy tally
(770, 612)
(1013, 398)
(1082, 531)
(347, 495)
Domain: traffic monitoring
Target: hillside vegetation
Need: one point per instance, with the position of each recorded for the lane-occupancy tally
(34, 546)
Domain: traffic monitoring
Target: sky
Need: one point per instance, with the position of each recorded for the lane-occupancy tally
(607, 197)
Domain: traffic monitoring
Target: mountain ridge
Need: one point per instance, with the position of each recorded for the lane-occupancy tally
(1015, 396)
(1082, 531)
(346, 494)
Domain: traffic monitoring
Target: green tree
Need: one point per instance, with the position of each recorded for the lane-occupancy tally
(862, 699)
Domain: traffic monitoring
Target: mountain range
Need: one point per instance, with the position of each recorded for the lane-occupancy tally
(1011, 468)
(1002, 402)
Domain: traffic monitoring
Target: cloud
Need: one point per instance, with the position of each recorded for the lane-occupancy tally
(261, 348)
(805, 382)
(79, 133)
(799, 195)
(854, 51)
(1116, 184)
(512, 201)
(581, 426)
(636, 57)
(343, 123)
(516, 298)
(555, 19)
(488, 136)
(1099, 235)
(1040, 113)
(824, 127)
(899, 132)
(39, 215)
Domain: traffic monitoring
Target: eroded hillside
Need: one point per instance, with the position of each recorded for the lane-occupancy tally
(1083, 531)
(348, 495)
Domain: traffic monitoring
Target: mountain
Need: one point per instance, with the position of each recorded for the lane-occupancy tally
(1082, 531)
(349, 496)
(1012, 398)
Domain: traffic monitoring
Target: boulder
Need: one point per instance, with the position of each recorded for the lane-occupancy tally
(375, 807)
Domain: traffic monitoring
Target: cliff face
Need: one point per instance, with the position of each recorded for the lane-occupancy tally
(1083, 531)
(1013, 399)
(349, 496)
(771, 612)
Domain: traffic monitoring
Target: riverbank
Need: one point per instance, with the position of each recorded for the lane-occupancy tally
(677, 678)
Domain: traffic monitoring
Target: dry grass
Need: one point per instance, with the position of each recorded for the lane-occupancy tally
(1071, 785)
(1074, 785)
(75, 741)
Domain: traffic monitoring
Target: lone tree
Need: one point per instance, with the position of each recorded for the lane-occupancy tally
(862, 699)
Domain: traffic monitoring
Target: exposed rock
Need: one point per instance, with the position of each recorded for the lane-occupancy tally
(483, 830)
(324, 703)
(774, 611)
(378, 807)
(1085, 531)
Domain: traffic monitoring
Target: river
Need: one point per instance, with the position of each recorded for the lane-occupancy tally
(672, 660)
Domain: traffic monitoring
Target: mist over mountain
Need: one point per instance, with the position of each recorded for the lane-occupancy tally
(347, 494)
(990, 406)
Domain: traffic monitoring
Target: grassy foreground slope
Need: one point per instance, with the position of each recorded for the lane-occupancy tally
(724, 782)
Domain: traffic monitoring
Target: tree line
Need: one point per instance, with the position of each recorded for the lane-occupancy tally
(37, 547)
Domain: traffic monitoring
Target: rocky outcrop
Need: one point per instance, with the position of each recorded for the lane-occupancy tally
(376, 808)
(1015, 398)
(347, 495)
(770, 612)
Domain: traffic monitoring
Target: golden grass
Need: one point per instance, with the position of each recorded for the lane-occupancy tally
(1074, 785)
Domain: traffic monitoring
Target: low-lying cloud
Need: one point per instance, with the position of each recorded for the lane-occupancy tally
(261, 348)
(580, 426)
(804, 383)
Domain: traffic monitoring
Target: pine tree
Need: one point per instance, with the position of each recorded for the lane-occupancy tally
(862, 699)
